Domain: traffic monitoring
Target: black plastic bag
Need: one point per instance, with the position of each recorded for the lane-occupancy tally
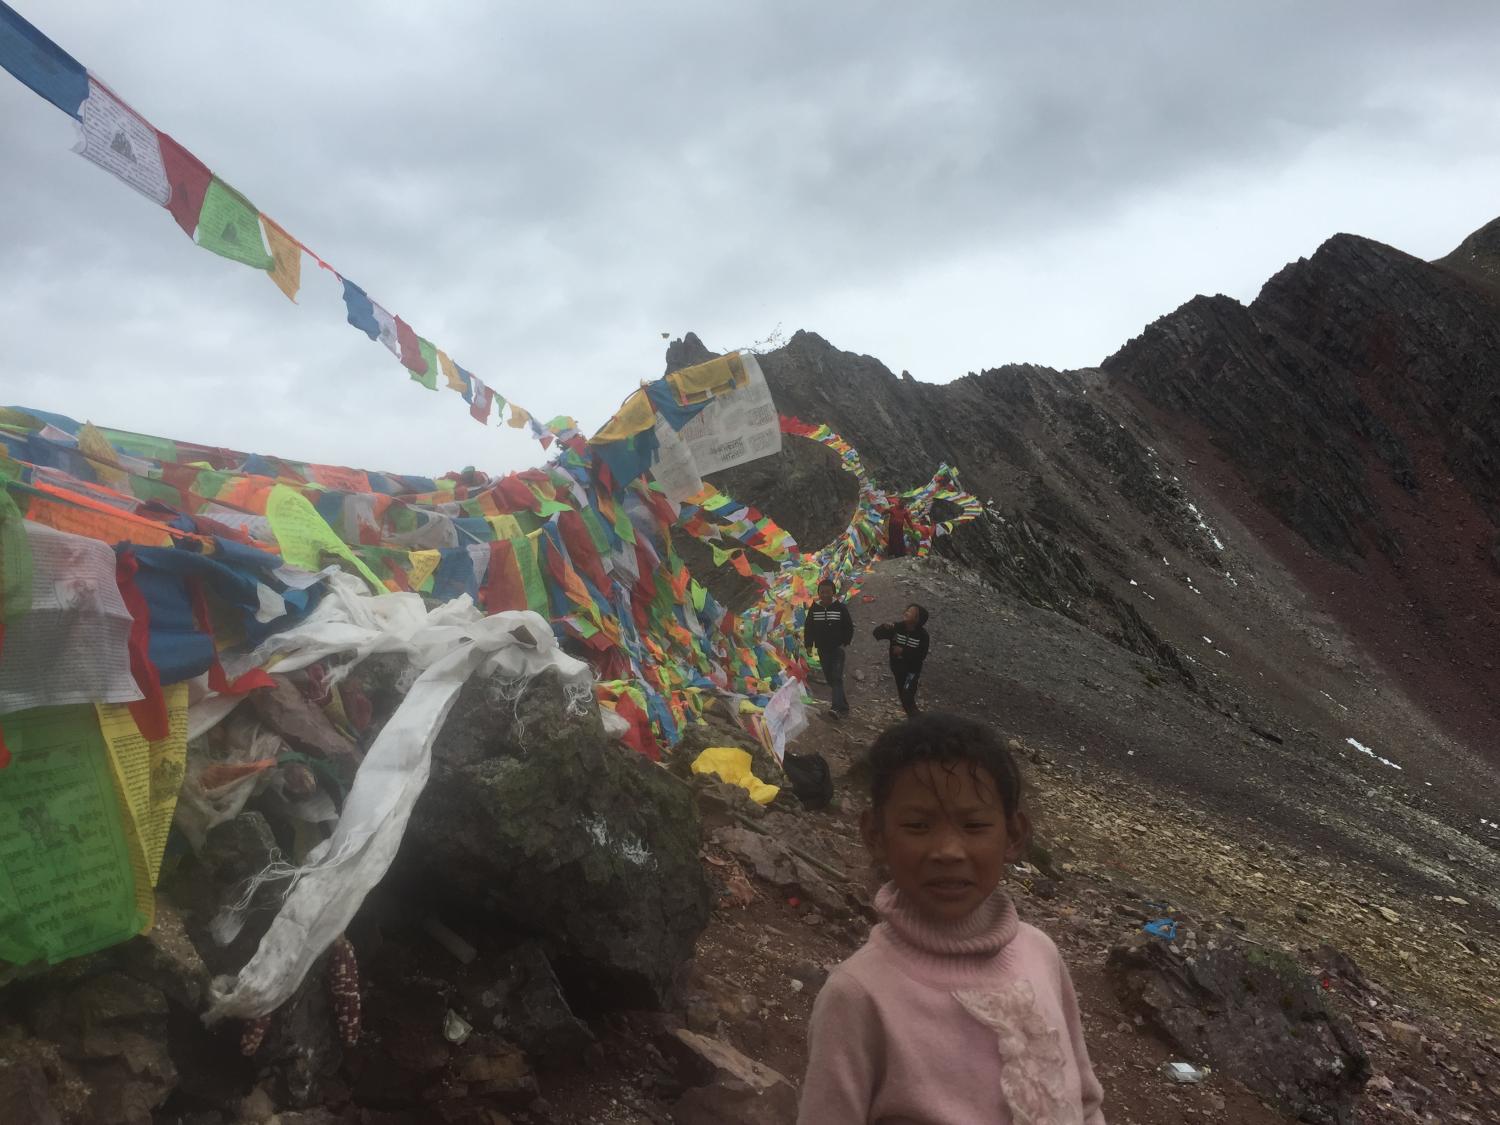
(811, 779)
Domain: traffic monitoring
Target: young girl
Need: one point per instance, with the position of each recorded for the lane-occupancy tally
(954, 1012)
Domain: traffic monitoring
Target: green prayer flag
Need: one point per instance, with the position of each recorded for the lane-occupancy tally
(304, 536)
(531, 575)
(66, 884)
(700, 595)
(230, 226)
(402, 518)
(552, 507)
(597, 533)
(142, 445)
(144, 488)
(429, 353)
(15, 560)
(208, 483)
(623, 527)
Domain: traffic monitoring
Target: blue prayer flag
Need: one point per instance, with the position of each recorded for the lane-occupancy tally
(361, 310)
(40, 63)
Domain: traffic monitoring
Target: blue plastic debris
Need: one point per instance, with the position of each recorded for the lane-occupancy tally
(1162, 928)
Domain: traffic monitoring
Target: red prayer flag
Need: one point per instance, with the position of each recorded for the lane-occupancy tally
(639, 737)
(189, 178)
(581, 549)
(411, 348)
(564, 575)
(480, 398)
(512, 495)
(150, 711)
(504, 588)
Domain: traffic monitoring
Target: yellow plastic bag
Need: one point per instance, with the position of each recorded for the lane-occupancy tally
(731, 764)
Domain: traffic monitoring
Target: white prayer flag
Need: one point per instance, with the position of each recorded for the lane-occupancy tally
(120, 142)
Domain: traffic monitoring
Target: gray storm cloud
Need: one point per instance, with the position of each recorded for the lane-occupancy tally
(544, 189)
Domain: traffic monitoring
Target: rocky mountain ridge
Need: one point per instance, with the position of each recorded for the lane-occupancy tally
(1348, 420)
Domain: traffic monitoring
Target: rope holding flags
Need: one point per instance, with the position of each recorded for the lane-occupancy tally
(219, 218)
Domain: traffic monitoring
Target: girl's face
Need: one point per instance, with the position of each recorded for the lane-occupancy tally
(945, 838)
(911, 617)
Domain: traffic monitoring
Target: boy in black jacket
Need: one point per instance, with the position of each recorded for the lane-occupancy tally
(829, 628)
(909, 642)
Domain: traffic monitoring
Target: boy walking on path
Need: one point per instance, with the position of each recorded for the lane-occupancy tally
(829, 628)
(909, 643)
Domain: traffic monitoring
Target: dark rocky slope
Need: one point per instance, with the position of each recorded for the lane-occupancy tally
(1346, 425)
(1355, 404)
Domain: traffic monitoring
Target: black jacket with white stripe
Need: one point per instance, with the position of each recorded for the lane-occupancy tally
(827, 627)
(908, 645)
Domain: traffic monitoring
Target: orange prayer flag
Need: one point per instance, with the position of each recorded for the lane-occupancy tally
(450, 373)
(97, 523)
(286, 254)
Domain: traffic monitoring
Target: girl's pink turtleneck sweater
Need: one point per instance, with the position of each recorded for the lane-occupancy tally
(970, 1024)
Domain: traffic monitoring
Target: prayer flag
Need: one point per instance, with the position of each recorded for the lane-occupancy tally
(361, 309)
(450, 373)
(629, 458)
(388, 334)
(518, 417)
(704, 380)
(286, 252)
(74, 892)
(409, 349)
(230, 227)
(40, 64)
(423, 564)
(581, 548)
(428, 354)
(635, 415)
(121, 142)
(514, 580)
(479, 401)
(188, 177)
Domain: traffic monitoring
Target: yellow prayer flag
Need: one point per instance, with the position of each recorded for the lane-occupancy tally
(147, 776)
(506, 527)
(450, 373)
(423, 563)
(694, 384)
(635, 416)
(518, 417)
(286, 254)
(101, 454)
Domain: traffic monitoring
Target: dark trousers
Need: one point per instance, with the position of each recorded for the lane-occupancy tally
(895, 546)
(906, 688)
(832, 660)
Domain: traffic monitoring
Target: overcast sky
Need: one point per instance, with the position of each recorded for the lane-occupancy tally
(544, 189)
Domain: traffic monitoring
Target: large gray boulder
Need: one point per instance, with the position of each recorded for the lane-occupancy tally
(1254, 1014)
(535, 819)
